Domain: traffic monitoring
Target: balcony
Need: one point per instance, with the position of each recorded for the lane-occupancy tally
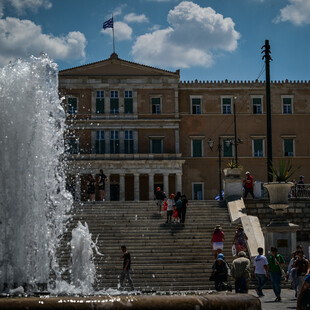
(148, 156)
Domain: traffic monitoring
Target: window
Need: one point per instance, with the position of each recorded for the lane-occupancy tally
(114, 142)
(72, 145)
(72, 105)
(226, 105)
(128, 102)
(197, 191)
(100, 102)
(114, 102)
(258, 148)
(287, 105)
(155, 105)
(227, 148)
(196, 148)
(257, 105)
(288, 145)
(196, 105)
(128, 142)
(100, 142)
(156, 146)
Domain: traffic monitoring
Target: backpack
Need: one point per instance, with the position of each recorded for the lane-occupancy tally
(178, 204)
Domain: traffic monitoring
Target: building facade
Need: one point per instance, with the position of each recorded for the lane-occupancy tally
(144, 128)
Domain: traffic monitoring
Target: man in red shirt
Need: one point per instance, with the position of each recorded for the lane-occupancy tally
(248, 185)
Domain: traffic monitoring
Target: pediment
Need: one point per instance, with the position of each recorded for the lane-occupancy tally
(116, 67)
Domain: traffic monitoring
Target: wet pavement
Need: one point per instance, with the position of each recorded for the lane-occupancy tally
(288, 299)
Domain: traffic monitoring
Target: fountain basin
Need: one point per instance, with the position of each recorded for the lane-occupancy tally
(223, 301)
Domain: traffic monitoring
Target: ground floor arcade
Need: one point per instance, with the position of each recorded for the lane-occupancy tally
(128, 180)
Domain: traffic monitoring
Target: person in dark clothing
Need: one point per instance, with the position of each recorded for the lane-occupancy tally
(220, 273)
(91, 188)
(101, 183)
(159, 196)
(184, 207)
(126, 269)
(177, 196)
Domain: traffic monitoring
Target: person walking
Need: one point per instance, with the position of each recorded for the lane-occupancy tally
(217, 240)
(220, 272)
(240, 270)
(126, 269)
(275, 265)
(260, 271)
(240, 239)
(170, 204)
(248, 185)
(101, 184)
(91, 188)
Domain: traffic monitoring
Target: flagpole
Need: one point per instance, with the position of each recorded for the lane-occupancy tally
(113, 36)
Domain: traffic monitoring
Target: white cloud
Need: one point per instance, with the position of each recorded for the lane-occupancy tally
(297, 12)
(22, 38)
(121, 31)
(193, 34)
(132, 17)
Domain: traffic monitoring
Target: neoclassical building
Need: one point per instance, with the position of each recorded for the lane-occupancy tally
(145, 128)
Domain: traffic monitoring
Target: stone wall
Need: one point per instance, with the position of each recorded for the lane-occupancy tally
(298, 213)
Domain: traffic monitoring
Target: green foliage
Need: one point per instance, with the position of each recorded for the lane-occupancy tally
(232, 164)
(283, 172)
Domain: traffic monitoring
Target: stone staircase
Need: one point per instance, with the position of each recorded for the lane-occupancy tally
(164, 256)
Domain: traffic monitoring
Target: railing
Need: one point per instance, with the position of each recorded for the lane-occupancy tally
(298, 191)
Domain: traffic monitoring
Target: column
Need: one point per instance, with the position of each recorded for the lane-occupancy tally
(107, 188)
(122, 187)
(166, 184)
(137, 187)
(151, 186)
(178, 185)
(77, 187)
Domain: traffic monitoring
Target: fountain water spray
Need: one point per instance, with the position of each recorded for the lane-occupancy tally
(33, 200)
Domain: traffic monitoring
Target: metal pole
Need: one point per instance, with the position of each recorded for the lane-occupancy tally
(236, 142)
(219, 147)
(268, 111)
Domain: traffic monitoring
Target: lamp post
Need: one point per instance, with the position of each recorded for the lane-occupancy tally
(219, 149)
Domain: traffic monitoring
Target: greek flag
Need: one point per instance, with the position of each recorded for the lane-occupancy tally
(218, 196)
(108, 23)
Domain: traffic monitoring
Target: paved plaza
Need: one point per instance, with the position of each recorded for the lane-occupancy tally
(288, 299)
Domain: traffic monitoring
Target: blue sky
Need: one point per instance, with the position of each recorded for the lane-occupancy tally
(205, 39)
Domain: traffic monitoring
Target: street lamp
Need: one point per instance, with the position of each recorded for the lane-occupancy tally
(219, 149)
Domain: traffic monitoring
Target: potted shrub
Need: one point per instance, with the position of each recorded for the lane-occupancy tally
(279, 189)
(233, 169)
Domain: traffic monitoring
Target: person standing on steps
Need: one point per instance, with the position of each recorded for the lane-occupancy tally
(126, 269)
(275, 264)
(248, 185)
(101, 183)
(184, 207)
(170, 204)
(217, 240)
(260, 271)
(91, 188)
(159, 197)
